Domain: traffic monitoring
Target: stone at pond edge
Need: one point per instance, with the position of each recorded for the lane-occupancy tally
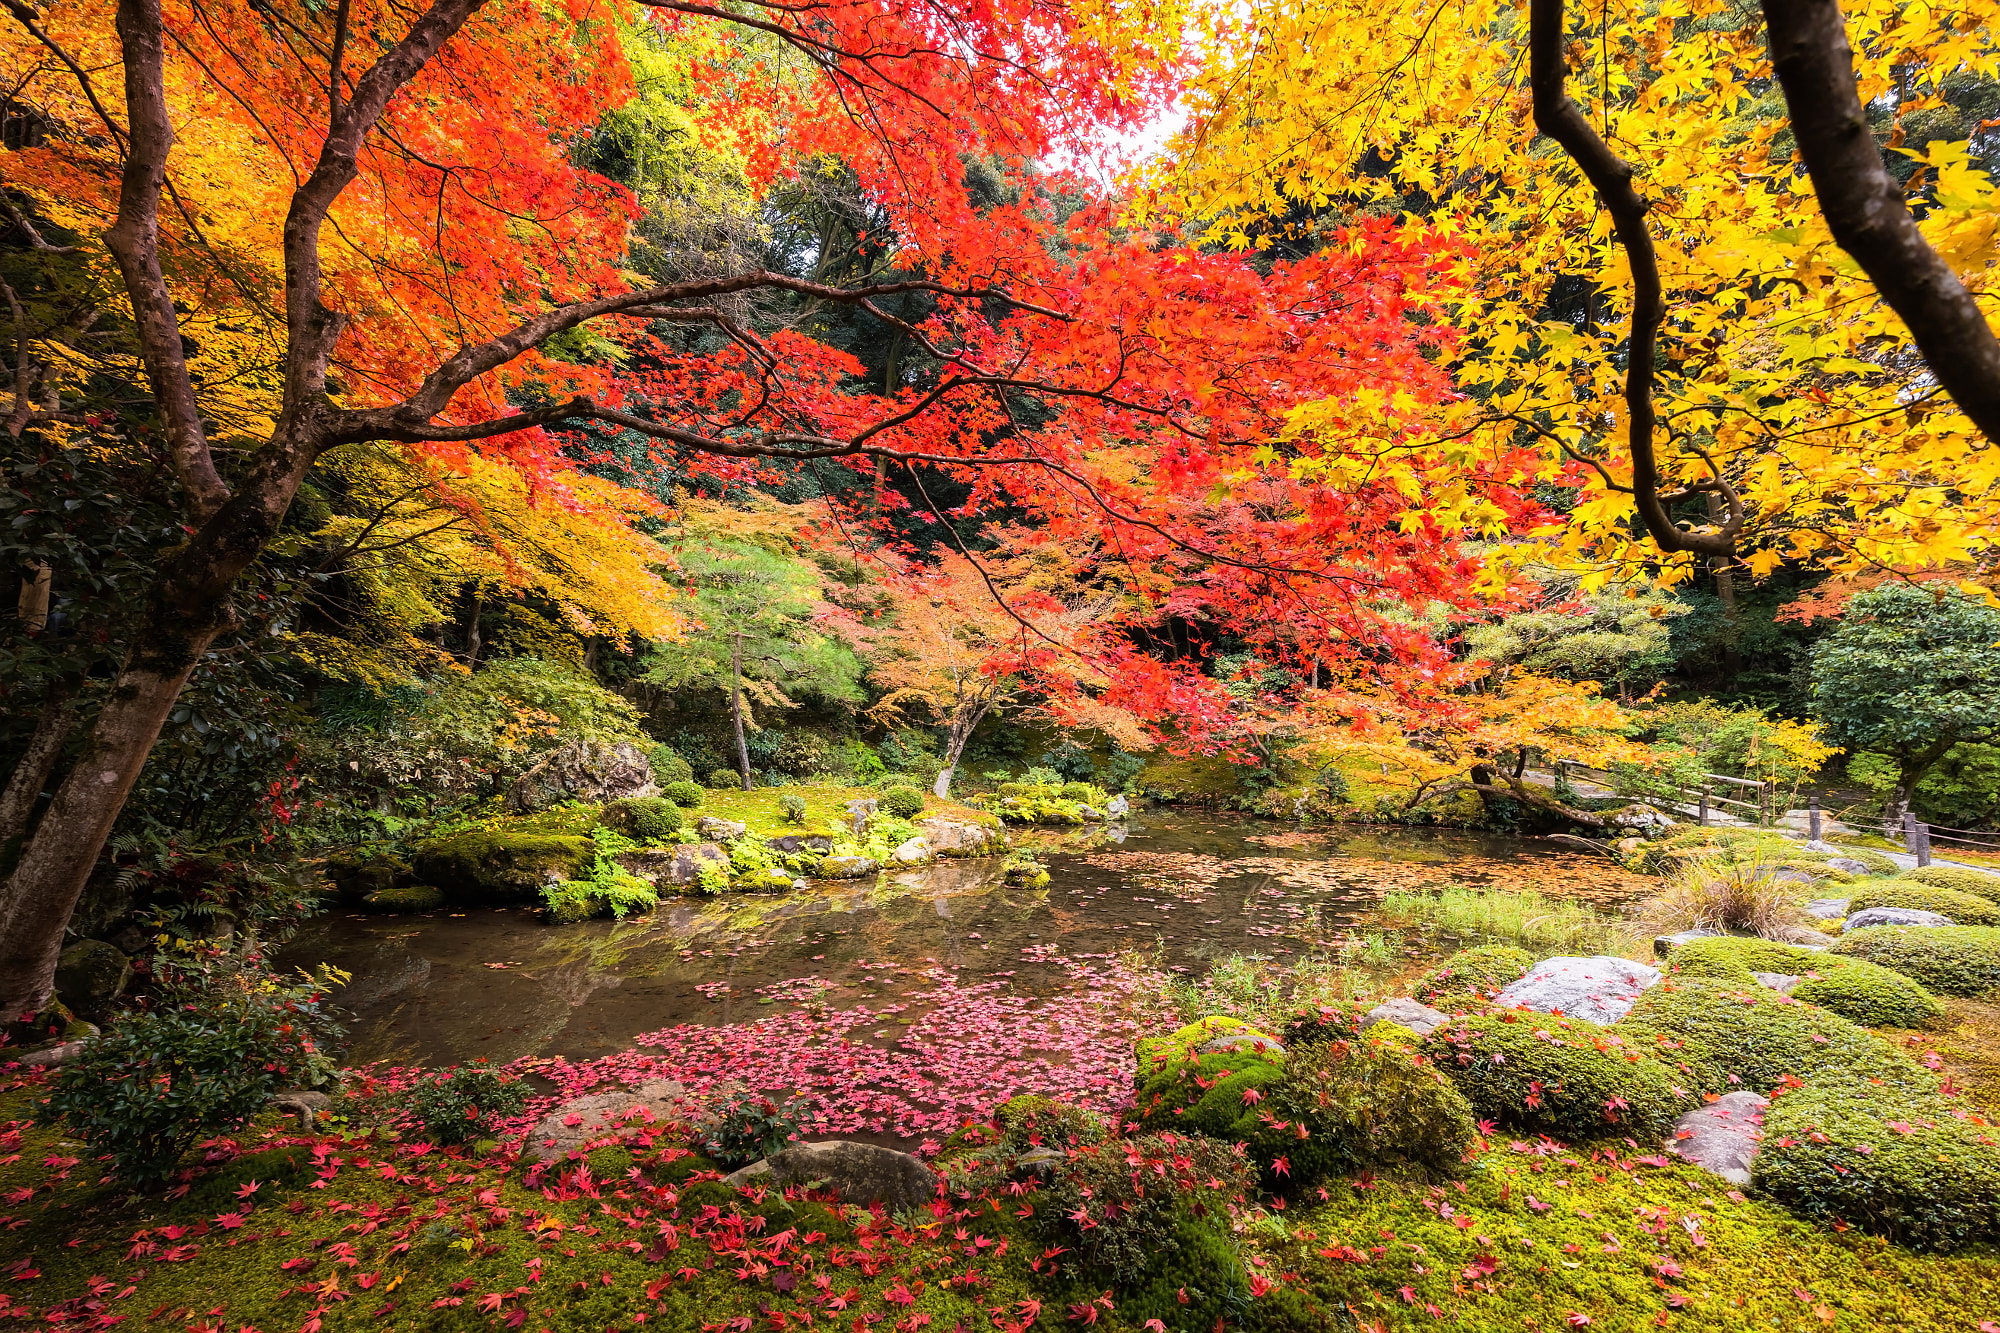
(675, 865)
(791, 844)
(48, 1057)
(1090, 814)
(861, 1173)
(717, 829)
(1782, 982)
(583, 771)
(912, 853)
(489, 867)
(599, 1114)
(1897, 916)
(1117, 808)
(91, 975)
(407, 898)
(847, 867)
(1418, 1018)
(1666, 944)
(1599, 989)
(1723, 1136)
(954, 837)
(1827, 909)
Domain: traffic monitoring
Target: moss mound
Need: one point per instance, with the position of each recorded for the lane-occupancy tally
(495, 865)
(1950, 960)
(1472, 975)
(410, 898)
(1755, 1038)
(1914, 1167)
(1181, 1087)
(1339, 1020)
(1374, 1100)
(1965, 909)
(1567, 1079)
(1029, 1121)
(1858, 991)
(1959, 880)
(647, 818)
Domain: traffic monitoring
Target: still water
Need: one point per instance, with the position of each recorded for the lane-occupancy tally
(1182, 889)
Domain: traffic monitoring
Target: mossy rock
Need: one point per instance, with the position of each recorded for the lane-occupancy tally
(409, 898)
(1912, 1166)
(647, 818)
(1965, 909)
(1182, 1088)
(1366, 1102)
(1949, 960)
(1336, 1020)
(355, 875)
(1471, 975)
(499, 866)
(1877, 863)
(1566, 1078)
(1853, 988)
(1755, 1038)
(1975, 882)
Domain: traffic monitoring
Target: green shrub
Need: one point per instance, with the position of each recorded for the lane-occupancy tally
(902, 802)
(1363, 1102)
(1124, 1204)
(647, 818)
(1755, 1037)
(1975, 882)
(1472, 975)
(669, 766)
(1964, 909)
(499, 865)
(410, 898)
(1911, 1166)
(1950, 960)
(684, 794)
(750, 1127)
(1183, 1088)
(1568, 1079)
(460, 1105)
(1873, 996)
(1088, 793)
(794, 807)
(725, 779)
(1337, 1020)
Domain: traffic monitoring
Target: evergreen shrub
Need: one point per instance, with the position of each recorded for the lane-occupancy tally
(902, 802)
(685, 794)
(725, 779)
(669, 766)
(462, 1104)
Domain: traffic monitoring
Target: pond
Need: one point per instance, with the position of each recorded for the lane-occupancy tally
(1179, 890)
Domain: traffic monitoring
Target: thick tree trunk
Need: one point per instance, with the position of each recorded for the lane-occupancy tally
(1910, 770)
(24, 786)
(956, 738)
(736, 710)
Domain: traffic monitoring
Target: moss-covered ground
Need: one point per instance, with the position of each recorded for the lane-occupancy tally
(826, 808)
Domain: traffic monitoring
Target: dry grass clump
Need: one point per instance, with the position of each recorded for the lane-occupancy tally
(1725, 893)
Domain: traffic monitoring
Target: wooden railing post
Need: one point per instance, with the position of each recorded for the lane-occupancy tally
(1923, 848)
(1702, 818)
(1909, 832)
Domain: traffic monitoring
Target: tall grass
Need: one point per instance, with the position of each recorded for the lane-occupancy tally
(1264, 992)
(1524, 916)
(1725, 892)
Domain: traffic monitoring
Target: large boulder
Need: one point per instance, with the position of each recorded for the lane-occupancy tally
(955, 837)
(861, 1173)
(1599, 989)
(675, 865)
(717, 829)
(914, 852)
(1723, 1136)
(1117, 808)
(489, 866)
(847, 867)
(1897, 916)
(90, 976)
(574, 1123)
(583, 771)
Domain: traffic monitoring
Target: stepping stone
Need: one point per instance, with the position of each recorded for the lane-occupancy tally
(599, 1114)
(1418, 1018)
(1723, 1136)
(1599, 989)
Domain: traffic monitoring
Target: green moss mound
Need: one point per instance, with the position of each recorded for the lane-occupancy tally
(1216, 1093)
(1028, 1121)
(1569, 1079)
(647, 818)
(496, 865)
(1471, 976)
(1949, 960)
(1915, 1167)
(411, 898)
(1756, 1038)
(902, 802)
(1965, 909)
(1959, 880)
(1853, 988)
(1362, 1103)
(686, 794)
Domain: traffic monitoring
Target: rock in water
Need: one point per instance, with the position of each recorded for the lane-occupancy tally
(860, 1173)
(1723, 1136)
(1405, 1012)
(1090, 814)
(1599, 989)
(91, 975)
(717, 829)
(1117, 808)
(583, 771)
(847, 867)
(599, 1114)
(955, 837)
(912, 853)
(1897, 916)
(675, 865)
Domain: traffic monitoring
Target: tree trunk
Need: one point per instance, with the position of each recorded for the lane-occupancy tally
(1725, 590)
(24, 787)
(736, 710)
(472, 626)
(1910, 770)
(33, 607)
(956, 738)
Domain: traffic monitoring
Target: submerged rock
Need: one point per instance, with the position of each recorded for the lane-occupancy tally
(575, 1123)
(1897, 916)
(1723, 1136)
(1405, 1012)
(1599, 989)
(583, 771)
(861, 1173)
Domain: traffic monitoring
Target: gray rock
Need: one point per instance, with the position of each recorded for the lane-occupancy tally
(1849, 865)
(847, 867)
(912, 853)
(1723, 1136)
(583, 771)
(1257, 1043)
(1666, 944)
(1827, 909)
(860, 1173)
(1040, 1161)
(955, 837)
(303, 1103)
(91, 975)
(859, 813)
(1599, 989)
(675, 865)
(1418, 1018)
(1782, 982)
(717, 829)
(1117, 808)
(1090, 814)
(48, 1057)
(1896, 916)
(791, 844)
(1639, 817)
(1790, 875)
(800, 885)
(599, 1114)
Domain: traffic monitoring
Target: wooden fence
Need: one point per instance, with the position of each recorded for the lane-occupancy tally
(1705, 797)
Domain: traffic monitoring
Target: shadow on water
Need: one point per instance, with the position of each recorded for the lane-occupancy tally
(1184, 890)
